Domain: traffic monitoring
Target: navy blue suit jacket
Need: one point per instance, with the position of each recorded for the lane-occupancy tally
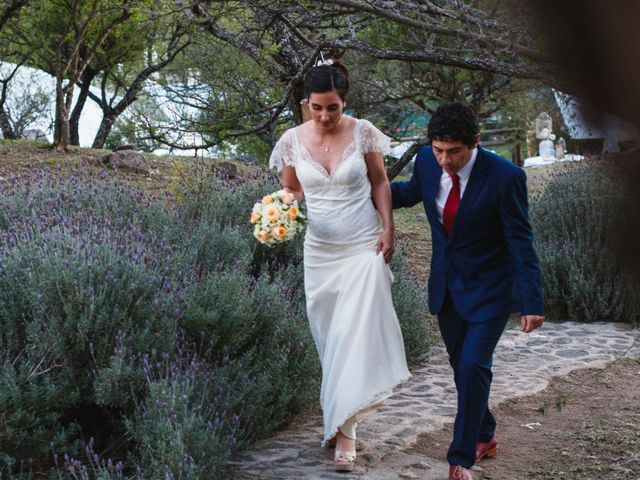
(488, 263)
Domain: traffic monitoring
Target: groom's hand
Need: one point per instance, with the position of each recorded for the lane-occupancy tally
(528, 323)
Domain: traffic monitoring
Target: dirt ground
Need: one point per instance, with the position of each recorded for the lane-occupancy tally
(583, 426)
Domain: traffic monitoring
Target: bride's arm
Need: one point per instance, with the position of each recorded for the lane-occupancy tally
(381, 193)
(290, 182)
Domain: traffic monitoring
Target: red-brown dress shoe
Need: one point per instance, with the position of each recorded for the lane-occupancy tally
(486, 449)
(456, 472)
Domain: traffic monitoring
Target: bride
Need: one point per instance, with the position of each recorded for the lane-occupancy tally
(336, 161)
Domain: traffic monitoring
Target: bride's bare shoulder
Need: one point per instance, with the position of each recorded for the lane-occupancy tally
(350, 122)
(303, 128)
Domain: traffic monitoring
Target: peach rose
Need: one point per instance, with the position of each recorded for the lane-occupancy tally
(271, 212)
(293, 213)
(287, 198)
(279, 232)
(254, 218)
(266, 200)
(263, 236)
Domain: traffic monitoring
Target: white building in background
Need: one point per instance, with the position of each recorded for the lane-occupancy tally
(591, 130)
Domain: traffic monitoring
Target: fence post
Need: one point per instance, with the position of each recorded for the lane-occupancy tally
(516, 157)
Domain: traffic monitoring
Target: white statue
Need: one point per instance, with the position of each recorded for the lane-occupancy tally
(546, 148)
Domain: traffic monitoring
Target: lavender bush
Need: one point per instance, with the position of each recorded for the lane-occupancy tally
(142, 337)
(410, 302)
(576, 223)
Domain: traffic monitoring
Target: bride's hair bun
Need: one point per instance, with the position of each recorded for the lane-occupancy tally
(342, 67)
(326, 76)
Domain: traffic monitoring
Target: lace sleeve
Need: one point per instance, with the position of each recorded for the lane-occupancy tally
(283, 152)
(373, 140)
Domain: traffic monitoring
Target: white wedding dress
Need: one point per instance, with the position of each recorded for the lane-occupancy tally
(347, 286)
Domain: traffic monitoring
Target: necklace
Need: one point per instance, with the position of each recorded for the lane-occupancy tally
(327, 146)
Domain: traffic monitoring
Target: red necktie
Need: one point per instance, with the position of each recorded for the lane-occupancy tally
(452, 204)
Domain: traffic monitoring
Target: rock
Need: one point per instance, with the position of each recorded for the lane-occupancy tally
(408, 474)
(127, 160)
(226, 169)
(34, 134)
(127, 146)
(248, 159)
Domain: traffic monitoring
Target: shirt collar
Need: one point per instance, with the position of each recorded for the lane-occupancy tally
(465, 171)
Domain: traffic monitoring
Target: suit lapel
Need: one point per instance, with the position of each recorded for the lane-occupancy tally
(431, 189)
(475, 184)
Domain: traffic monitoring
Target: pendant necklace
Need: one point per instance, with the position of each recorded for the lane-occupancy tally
(326, 146)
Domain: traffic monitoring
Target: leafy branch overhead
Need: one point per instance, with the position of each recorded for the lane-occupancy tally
(497, 39)
(494, 39)
(235, 69)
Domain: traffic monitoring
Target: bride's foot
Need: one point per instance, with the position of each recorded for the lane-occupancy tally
(345, 456)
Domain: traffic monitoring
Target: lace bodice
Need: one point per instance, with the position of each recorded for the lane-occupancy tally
(339, 206)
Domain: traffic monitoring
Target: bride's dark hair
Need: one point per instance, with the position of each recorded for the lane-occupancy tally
(326, 78)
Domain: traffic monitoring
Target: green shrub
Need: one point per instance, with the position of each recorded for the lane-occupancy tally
(576, 222)
(410, 302)
(161, 333)
(188, 422)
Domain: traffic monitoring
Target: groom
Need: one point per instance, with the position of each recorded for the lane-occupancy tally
(483, 266)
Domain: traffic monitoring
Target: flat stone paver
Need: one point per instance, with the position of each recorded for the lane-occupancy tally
(523, 365)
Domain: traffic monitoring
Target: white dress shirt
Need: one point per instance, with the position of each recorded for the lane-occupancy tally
(446, 183)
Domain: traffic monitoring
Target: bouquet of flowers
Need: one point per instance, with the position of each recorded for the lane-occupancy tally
(277, 218)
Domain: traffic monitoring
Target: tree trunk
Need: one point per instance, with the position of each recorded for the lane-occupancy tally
(108, 120)
(62, 117)
(5, 125)
(64, 96)
(74, 119)
(516, 157)
(396, 168)
(300, 114)
(5, 122)
(57, 124)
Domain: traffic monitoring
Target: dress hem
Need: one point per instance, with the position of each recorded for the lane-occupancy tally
(380, 397)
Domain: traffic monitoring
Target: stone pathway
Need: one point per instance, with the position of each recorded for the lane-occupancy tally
(523, 365)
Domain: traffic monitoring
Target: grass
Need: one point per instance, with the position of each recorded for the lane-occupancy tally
(596, 443)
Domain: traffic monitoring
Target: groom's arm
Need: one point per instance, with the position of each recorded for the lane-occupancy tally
(514, 211)
(407, 194)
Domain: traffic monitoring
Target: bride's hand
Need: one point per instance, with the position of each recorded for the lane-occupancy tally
(385, 244)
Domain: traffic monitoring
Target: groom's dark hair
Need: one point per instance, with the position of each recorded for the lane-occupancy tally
(452, 122)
